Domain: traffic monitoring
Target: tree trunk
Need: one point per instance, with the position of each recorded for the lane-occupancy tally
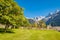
(13, 27)
(6, 27)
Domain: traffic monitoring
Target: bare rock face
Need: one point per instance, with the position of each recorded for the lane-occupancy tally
(53, 19)
(56, 19)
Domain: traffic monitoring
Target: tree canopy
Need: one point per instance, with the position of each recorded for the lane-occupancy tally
(12, 14)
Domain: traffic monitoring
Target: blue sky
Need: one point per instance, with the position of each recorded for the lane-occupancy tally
(33, 8)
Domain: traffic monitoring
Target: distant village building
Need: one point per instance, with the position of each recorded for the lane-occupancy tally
(49, 27)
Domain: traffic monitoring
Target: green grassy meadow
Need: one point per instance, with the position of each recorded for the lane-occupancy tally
(25, 34)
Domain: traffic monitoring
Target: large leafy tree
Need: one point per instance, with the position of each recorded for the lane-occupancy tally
(11, 14)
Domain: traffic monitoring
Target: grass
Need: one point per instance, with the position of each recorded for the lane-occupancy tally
(25, 34)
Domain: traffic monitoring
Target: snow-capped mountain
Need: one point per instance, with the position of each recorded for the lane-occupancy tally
(31, 21)
(53, 19)
(35, 19)
(48, 17)
(39, 18)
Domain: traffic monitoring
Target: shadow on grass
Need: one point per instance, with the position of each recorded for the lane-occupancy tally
(2, 30)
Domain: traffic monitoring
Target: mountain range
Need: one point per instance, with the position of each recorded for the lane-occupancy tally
(52, 18)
